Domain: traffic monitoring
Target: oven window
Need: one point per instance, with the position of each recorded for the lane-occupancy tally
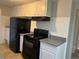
(29, 44)
(29, 49)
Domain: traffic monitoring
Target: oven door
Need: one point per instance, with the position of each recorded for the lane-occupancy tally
(30, 48)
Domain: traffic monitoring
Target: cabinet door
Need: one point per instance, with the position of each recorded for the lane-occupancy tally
(23, 26)
(44, 54)
(41, 8)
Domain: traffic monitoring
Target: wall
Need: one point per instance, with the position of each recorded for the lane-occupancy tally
(48, 25)
(31, 9)
(58, 25)
(24, 10)
(6, 11)
(76, 25)
(1, 29)
(33, 26)
(51, 12)
(77, 40)
(4, 21)
(0, 11)
(63, 17)
(63, 23)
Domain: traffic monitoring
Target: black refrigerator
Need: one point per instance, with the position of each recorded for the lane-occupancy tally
(17, 26)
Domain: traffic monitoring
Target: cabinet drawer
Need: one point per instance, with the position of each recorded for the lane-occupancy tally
(44, 54)
(48, 47)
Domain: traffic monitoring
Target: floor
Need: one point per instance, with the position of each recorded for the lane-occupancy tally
(7, 53)
(75, 55)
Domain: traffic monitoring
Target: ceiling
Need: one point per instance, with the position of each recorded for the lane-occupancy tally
(11, 3)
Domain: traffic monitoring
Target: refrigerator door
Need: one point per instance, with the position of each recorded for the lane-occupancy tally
(14, 36)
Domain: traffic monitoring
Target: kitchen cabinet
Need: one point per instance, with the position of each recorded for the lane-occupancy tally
(37, 8)
(48, 51)
(45, 54)
(46, 8)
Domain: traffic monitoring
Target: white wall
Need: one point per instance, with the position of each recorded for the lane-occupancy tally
(63, 17)
(77, 17)
(76, 11)
(33, 26)
(63, 23)
(58, 25)
(51, 10)
(31, 9)
(4, 21)
(74, 25)
(0, 11)
(24, 10)
(6, 11)
(1, 28)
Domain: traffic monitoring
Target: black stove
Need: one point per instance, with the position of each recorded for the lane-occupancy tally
(31, 44)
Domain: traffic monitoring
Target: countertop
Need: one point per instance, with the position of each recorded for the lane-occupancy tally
(22, 34)
(54, 40)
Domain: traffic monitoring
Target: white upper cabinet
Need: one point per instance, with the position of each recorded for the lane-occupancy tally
(51, 8)
(46, 8)
(37, 8)
(41, 8)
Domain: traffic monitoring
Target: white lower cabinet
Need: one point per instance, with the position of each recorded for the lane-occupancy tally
(44, 54)
(48, 51)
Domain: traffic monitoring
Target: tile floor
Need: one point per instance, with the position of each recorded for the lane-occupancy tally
(7, 53)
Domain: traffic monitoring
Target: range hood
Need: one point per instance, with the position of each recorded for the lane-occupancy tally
(42, 18)
(34, 18)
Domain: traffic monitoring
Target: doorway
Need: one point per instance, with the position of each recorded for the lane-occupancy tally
(75, 49)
